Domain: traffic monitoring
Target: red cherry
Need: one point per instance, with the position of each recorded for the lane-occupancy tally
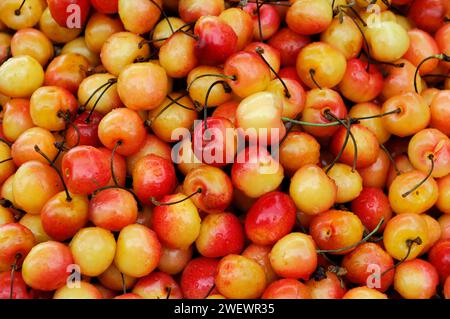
(106, 6)
(197, 279)
(20, 290)
(83, 131)
(428, 15)
(65, 12)
(439, 257)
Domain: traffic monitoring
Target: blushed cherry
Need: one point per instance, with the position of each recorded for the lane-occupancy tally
(422, 45)
(329, 287)
(67, 71)
(293, 105)
(260, 254)
(35, 178)
(140, 16)
(111, 278)
(376, 174)
(34, 43)
(370, 206)
(216, 188)
(54, 31)
(16, 243)
(309, 17)
(5, 46)
(400, 80)
(122, 49)
(220, 235)
(16, 118)
(192, 10)
(47, 266)
(23, 148)
(438, 257)
(345, 36)
(183, 155)
(169, 117)
(197, 279)
(113, 209)
(443, 202)
(20, 289)
(62, 218)
(428, 15)
(20, 76)
(321, 65)
(165, 28)
(270, 218)
(79, 46)
(242, 24)
(364, 293)
(361, 83)
(174, 260)
(34, 223)
(256, 172)
(348, 182)
(227, 110)
(440, 110)
(239, 277)
(287, 289)
(16, 15)
(402, 165)
(297, 150)
(84, 130)
(405, 236)
(416, 279)
(84, 291)
(294, 256)
(99, 28)
(248, 73)
(441, 36)
(99, 92)
(444, 222)
(138, 251)
(266, 17)
(7, 189)
(304, 190)
(375, 124)
(289, 44)
(414, 114)
(178, 45)
(62, 12)
(266, 53)
(93, 249)
(158, 285)
(123, 130)
(200, 81)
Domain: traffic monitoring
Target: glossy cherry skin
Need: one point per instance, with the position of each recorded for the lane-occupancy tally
(308, 16)
(242, 24)
(442, 37)
(443, 202)
(400, 80)
(86, 132)
(330, 287)
(439, 258)
(440, 109)
(287, 289)
(220, 235)
(178, 45)
(293, 105)
(16, 241)
(269, 17)
(345, 36)
(20, 290)
(158, 285)
(376, 174)
(174, 260)
(359, 85)
(99, 28)
(33, 43)
(416, 279)
(153, 176)
(370, 206)
(366, 262)
(6, 168)
(152, 145)
(27, 17)
(369, 109)
(54, 31)
(428, 15)
(260, 254)
(47, 266)
(216, 188)
(289, 44)
(198, 277)
(422, 45)
(192, 10)
(216, 41)
(23, 148)
(62, 11)
(113, 209)
(105, 6)
(364, 293)
(85, 169)
(270, 218)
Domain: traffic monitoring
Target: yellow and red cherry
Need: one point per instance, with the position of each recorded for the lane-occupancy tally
(348, 182)
(15, 244)
(16, 118)
(7, 166)
(85, 169)
(34, 223)
(84, 130)
(295, 103)
(256, 172)
(54, 31)
(47, 266)
(289, 44)
(422, 45)
(260, 254)
(23, 148)
(438, 257)
(372, 115)
(220, 235)
(242, 24)
(192, 10)
(287, 289)
(174, 260)
(443, 202)
(99, 28)
(270, 218)
(428, 15)
(151, 145)
(61, 12)
(20, 289)
(308, 16)
(399, 79)
(371, 206)
(440, 110)
(388, 41)
(266, 20)
(140, 16)
(416, 279)
(177, 55)
(364, 293)
(216, 189)
(16, 15)
(329, 287)
(98, 92)
(158, 285)
(85, 290)
(376, 174)
(165, 28)
(197, 280)
(34, 43)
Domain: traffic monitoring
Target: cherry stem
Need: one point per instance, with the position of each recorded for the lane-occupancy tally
(391, 159)
(396, 111)
(226, 88)
(38, 150)
(169, 291)
(113, 153)
(242, 3)
(18, 11)
(6, 142)
(110, 83)
(7, 204)
(260, 52)
(442, 57)
(83, 107)
(6, 160)
(409, 244)
(373, 232)
(120, 187)
(164, 15)
(13, 271)
(312, 73)
(222, 76)
(286, 119)
(210, 291)
(157, 203)
(431, 158)
(258, 12)
(76, 130)
(124, 286)
(173, 101)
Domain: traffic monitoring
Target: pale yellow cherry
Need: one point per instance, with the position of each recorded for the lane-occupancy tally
(34, 223)
(20, 76)
(54, 31)
(374, 124)
(79, 46)
(348, 182)
(312, 190)
(7, 190)
(84, 290)
(34, 43)
(111, 278)
(6, 216)
(93, 249)
(388, 41)
(164, 29)
(27, 16)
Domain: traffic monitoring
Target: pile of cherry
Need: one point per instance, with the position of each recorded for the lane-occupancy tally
(225, 149)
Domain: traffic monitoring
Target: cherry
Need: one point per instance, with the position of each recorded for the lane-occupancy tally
(62, 11)
(421, 46)
(54, 31)
(93, 250)
(67, 71)
(177, 55)
(79, 46)
(329, 287)
(348, 182)
(47, 266)
(287, 289)
(165, 28)
(138, 251)
(239, 277)
(371, 206)
(242, 24)
(33, 43)
(106, 6)
(84, 291)
(434, 232)
(439, 108)
(266, 20)
(16, 243)
(364, 293)
(197, 280)
(309, 17)
(192, 10)
(98, 92)
(289, 44)
(7, 166)
(99, 28)
(158, 285)
(34, 223)
(443, 203)
(6, 216)
(388, 41)
(438, 257)
(113, 279)
(293, 105)
(128, 296)
(376, 174)
(5, 47)
(428, 15)
(19, 291)
(16, 15)
(400, 79)
(372, 115)
(260, 254)
(416, 279)
(81, 132)
(174, 260)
